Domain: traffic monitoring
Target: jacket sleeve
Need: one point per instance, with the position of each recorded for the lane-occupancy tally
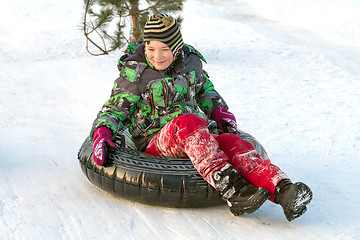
(121, 103)
(207, 97)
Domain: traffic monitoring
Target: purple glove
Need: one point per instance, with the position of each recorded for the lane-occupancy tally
(225, 120)
(101, 136)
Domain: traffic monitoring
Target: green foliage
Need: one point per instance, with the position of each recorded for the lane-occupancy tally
(116, 23)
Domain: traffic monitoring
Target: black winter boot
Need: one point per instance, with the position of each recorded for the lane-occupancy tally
(293, 197)
(241, 196)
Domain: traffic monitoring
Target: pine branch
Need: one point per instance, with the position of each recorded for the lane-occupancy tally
(123, 11)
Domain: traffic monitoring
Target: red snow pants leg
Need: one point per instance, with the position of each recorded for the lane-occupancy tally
(188, 136)
(250, 165)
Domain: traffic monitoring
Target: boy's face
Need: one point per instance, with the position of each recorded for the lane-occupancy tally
(159, 54)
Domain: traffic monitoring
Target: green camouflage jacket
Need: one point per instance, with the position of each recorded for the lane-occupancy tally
(145, 99)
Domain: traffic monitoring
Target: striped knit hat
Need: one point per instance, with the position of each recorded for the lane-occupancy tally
(165, 29)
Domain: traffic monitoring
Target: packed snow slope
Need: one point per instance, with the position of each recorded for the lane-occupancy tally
(288, 69)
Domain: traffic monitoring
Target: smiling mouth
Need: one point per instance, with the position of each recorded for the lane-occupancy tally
(161, 62)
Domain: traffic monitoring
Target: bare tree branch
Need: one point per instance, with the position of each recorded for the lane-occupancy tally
(88, 39)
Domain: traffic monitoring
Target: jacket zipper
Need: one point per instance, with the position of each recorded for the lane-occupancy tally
(152, 113)
(166, 93)
(188, 88)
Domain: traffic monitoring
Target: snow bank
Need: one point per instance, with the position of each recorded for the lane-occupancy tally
(336, 20)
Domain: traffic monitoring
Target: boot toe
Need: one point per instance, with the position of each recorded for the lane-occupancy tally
(303, 197)
(295, 200)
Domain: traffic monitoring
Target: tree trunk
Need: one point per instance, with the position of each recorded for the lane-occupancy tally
(135, 28)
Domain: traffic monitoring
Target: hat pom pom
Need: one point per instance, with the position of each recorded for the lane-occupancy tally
(167, 21)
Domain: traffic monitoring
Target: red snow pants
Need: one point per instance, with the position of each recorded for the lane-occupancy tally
(188, 136)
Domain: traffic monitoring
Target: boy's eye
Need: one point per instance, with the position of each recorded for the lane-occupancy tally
(161, 49)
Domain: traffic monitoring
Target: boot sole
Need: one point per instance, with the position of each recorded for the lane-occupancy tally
(258, 200)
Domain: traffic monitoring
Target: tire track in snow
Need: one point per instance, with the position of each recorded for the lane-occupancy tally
(214, 229)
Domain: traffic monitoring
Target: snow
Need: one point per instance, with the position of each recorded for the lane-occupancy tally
(289, 70)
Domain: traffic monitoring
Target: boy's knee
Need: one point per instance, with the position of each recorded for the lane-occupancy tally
(233, 143)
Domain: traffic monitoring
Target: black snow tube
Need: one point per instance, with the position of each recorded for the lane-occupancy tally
(152, 180)
(159, 181)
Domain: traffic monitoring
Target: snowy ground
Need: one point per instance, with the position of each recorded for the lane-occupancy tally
(289, 70)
